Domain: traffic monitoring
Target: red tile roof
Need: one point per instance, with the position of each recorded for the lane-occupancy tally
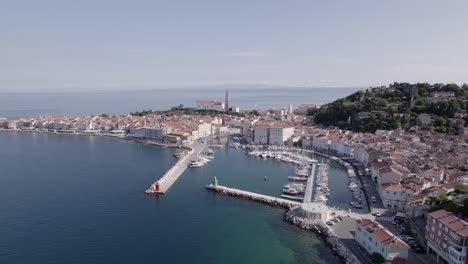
(387, 238)
(453, 222)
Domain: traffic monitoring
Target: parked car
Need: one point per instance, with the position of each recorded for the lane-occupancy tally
(419, 249)
(373, 199)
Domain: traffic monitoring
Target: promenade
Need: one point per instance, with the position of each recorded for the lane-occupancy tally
(171, 176)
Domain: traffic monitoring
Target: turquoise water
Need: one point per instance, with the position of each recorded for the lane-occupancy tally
(71, 199)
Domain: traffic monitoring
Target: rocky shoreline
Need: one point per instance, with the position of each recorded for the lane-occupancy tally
(292, 216)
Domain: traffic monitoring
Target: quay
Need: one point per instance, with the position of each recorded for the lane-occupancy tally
(170, 177)
(254, 196)
(310, 185)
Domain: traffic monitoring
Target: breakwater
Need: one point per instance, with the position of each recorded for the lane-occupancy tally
(170, 177)
(279, 202)
(335, 242)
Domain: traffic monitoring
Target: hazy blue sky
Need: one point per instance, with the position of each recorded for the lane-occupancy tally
(81, 44)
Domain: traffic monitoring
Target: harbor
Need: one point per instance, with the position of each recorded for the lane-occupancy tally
(307, 204)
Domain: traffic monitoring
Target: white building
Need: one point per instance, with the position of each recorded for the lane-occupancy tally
(275, 135)
(260, 135)
(219, 130)
(395, 196)
(204, 130)
(375, 238)
(321, 143)
(361, 156)
(279, 135)
(152, 133)
(215, 105)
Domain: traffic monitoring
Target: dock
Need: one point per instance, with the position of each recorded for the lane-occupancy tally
(254, 196)
(171, 176)
(310, 185)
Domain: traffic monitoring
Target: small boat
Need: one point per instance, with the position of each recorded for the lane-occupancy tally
(195, 164)
(265, 178)
(295, 178)
(290, 191)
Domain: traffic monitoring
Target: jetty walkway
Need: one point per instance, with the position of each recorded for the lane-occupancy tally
(171, 176)
(310, 185)
(254, 196)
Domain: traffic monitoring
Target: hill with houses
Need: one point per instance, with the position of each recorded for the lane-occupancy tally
(421, 106)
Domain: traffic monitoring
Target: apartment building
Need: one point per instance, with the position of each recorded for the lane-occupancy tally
(447, 237)
(375, 238)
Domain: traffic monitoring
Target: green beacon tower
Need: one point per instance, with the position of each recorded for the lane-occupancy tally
(215, 181)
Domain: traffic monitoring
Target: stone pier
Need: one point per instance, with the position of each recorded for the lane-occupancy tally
(254, 196)
(171, 176)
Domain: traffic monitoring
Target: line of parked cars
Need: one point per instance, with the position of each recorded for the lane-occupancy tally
(407, 235)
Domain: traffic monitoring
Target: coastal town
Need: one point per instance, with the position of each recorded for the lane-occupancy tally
(413, 180)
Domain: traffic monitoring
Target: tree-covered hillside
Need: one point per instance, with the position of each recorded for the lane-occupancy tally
(438, 107)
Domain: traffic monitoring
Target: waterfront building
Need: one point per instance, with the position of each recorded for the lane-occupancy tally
(272, 135)
(279, 135)
(447, 237)
(321, 143)
(361, 156)
(152, 133)
(13, 125)
(260, 135)
(214, 105)
(375, 238)
(4, 123)
(179, 137)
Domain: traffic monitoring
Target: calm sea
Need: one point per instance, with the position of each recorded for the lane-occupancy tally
(73, 199)
(15, 105)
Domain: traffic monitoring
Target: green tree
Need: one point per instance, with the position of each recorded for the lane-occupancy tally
(377, 258)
